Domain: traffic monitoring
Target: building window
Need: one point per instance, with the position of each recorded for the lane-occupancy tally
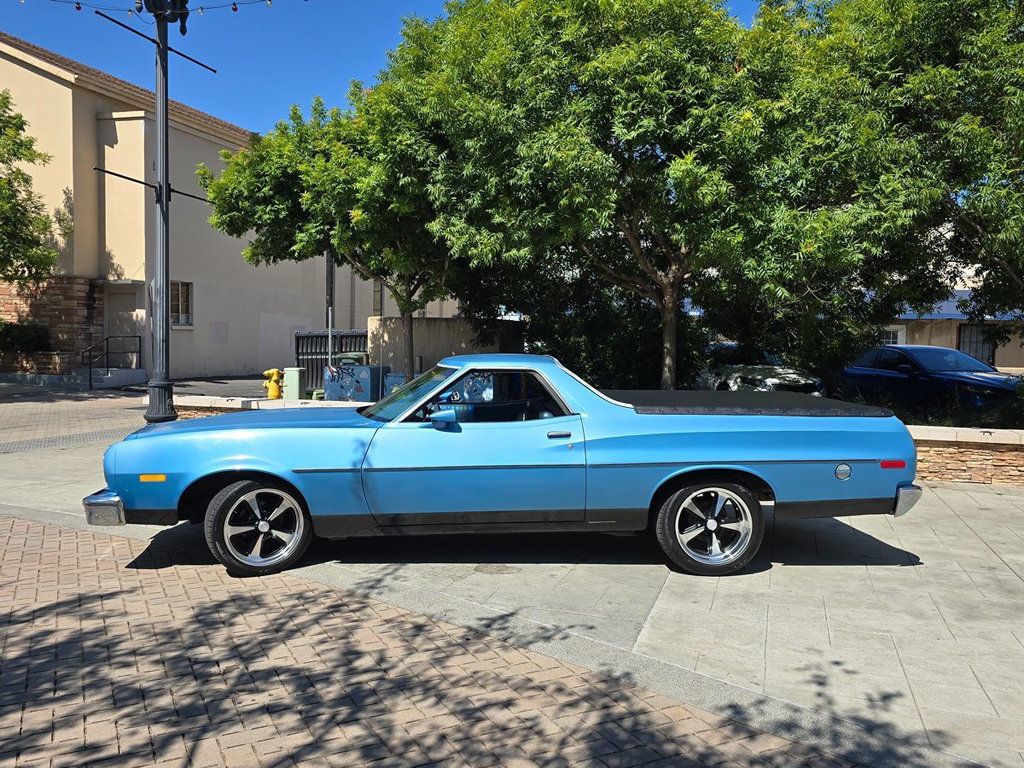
(895, 334)
(971, 339)
(181, 303)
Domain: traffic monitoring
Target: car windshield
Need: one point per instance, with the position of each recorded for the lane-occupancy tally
(939, 359)
(407, 395)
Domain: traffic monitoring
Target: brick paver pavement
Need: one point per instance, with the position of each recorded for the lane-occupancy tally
(119, 652)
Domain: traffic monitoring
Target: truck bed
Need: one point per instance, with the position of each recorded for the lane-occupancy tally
(744, 403)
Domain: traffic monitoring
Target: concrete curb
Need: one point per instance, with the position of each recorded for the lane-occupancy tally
(256, 404)
(819, 730)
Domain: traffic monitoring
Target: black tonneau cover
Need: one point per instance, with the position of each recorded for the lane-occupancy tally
(743, 403)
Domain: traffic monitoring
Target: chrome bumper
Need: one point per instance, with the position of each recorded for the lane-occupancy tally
(104, 508)
(906, 497)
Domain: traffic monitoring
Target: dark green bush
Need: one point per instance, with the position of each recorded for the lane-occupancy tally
(23, 337)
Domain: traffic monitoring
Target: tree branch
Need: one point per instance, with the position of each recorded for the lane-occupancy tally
(621, 278)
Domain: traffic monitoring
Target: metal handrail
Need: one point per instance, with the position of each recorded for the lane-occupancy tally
(91, 359)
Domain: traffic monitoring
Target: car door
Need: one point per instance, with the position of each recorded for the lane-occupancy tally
(895, 374)
(859, 376)
(512, 454)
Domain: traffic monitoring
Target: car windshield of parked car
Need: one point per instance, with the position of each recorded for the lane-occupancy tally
(939, 359)
(406, 396)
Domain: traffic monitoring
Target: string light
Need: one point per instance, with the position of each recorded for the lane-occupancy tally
(136, 10)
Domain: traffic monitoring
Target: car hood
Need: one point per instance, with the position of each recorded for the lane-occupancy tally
(993, 379)
(278, 418)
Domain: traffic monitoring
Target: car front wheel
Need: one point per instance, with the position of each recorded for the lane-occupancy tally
(712, 528)
(255, 527)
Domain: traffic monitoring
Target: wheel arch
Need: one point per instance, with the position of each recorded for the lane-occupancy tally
(196, 497)
(761, 487)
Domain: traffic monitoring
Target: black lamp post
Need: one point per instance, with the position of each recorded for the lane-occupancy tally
(161, 390)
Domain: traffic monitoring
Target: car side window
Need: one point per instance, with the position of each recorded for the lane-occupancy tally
(495, 396)
(867, 360)
(891, 359)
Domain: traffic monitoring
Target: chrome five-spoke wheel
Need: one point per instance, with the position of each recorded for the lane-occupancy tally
(256, 527)
(713, 525)
(712, 528)
(263, 527)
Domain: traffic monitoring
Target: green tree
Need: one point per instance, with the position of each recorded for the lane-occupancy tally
(26, 240)
(949, 76)
(658, 144)
(352, 185)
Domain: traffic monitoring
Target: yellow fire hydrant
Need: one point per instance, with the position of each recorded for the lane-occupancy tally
(273, 383)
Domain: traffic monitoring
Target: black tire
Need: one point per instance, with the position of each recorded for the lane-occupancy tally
(250, 501)
(741, 504)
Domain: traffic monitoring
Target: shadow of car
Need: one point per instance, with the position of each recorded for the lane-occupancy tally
(929, 378)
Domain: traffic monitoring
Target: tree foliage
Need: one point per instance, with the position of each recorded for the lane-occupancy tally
(27, 252)
(949, 76)
(661, 146)
(352, 185)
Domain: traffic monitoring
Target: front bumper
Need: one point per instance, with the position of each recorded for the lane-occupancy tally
(104, 508)
(906, 497)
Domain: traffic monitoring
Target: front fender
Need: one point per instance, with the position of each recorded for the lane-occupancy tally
(323, 465)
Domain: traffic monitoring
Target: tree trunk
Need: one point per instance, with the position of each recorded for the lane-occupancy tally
(669, 312)
(410, 360)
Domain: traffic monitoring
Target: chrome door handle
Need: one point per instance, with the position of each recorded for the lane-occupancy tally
(559, 435)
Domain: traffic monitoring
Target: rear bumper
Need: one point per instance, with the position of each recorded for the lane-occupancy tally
(106, 508)
(906, 497)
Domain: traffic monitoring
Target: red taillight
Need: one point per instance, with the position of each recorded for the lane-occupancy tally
(893, 464)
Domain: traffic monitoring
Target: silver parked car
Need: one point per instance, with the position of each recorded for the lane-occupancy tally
(733, 368)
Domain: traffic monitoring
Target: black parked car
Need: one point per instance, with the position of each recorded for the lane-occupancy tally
(928, 377)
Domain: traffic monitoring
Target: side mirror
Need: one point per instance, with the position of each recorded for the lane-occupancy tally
(441, 419)
(906, 370)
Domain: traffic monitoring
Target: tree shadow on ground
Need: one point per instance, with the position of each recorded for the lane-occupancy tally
(169, 665)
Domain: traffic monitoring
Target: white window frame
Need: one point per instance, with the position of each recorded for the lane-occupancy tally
(179, 318)
(899, 330)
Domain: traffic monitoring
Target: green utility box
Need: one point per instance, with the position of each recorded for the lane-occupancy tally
(294, 383)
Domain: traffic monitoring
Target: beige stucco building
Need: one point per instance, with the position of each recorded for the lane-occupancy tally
(227, 316)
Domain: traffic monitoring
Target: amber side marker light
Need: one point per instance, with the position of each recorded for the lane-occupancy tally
(152, 478)
(893, 464)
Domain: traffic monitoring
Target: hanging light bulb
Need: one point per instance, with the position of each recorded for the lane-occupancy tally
(234, 7)
(78, 6)
(201, 10)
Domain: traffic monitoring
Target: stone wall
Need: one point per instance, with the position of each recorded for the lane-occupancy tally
(71, 307)
(46, 363)
(969, 455)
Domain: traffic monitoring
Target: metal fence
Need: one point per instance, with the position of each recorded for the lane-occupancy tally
(311, 351)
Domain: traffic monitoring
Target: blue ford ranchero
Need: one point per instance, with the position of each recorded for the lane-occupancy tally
(512, 443)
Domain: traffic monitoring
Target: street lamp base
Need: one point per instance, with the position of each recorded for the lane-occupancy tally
(161, 403)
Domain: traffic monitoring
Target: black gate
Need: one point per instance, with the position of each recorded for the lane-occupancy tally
(311, 351)
(971, 340)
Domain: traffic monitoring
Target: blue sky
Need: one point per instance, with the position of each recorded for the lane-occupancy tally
(268, 57)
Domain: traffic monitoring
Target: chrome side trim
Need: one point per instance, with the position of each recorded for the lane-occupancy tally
(906, 497)
(104, 508)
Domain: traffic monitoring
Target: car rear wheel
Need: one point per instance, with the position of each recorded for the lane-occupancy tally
(255, 527)
(712, 528)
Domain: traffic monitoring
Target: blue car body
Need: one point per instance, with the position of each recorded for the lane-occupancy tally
(600, 464)
(918, 375)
